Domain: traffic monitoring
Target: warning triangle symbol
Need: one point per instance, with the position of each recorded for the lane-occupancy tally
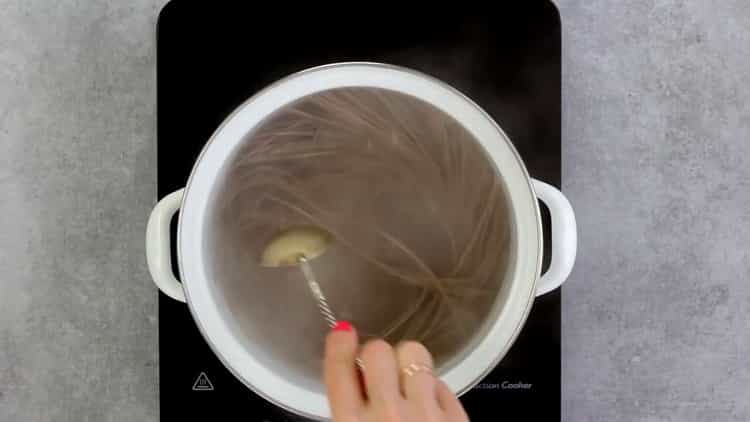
(203, 383)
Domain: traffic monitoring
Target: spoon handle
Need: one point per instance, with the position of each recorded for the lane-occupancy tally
(325, 308)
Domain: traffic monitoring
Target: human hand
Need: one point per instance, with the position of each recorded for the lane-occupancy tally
(392, 386)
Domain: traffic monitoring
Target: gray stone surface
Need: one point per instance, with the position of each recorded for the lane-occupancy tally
(77, 177)
(656, 138)
(656, 147)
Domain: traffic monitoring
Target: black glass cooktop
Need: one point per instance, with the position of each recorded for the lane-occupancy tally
(214, 55)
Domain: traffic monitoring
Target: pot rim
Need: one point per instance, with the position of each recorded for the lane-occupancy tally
(527, 229)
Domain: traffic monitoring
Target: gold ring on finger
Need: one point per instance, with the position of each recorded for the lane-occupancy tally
(415, 368)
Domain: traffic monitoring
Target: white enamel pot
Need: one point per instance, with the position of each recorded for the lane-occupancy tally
(205, 302)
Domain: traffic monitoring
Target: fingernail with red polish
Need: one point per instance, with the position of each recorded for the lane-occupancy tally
(342, 326)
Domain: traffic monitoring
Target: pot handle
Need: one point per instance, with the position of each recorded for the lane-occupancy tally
(159, 245)
(564, 233)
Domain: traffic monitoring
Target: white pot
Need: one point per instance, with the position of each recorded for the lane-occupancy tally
(199, 291)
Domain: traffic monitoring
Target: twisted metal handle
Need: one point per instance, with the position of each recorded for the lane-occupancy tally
(325, 308)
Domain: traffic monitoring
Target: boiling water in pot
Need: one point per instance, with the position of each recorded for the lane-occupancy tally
(421, 237)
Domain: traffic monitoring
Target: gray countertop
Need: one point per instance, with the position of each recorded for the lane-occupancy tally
(656, 135)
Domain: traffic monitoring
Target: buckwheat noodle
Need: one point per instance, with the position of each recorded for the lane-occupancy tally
(405, 191)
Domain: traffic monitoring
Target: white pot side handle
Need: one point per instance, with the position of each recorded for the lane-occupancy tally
(159, 246)
(564, 233)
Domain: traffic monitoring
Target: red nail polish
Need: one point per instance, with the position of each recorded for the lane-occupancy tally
(342, 326)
